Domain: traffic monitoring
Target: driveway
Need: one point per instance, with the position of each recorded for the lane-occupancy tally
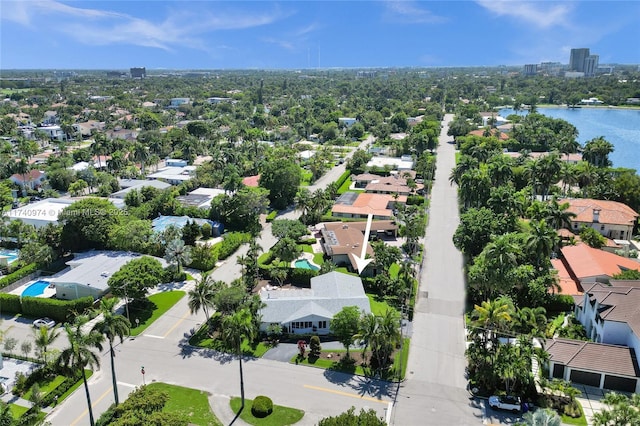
(285, 351)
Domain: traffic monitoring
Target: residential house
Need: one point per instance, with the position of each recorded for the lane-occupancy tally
(573, 158)
(492, 132)
(310, 310)
(566, 284)
(594, 364)
(50, 118)
(200, 198)
(129, 185)
(176, 102)
(341, 241)
(612, 219)
(393, 163)
(346, 121)
(588, 265)
(53, 132)
(40, 213)
(174, 175)
(90, 272)
(32, 180)
(360, 205)
(121, 133)
(87, 128)
(251, 181)
(396, 183)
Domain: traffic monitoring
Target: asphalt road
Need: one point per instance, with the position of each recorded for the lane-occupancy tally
(435, 390)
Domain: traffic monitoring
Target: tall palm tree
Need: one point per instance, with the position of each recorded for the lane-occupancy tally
(112, 325)
(558, 216)
(201, 297)
(235, 328)
(540, 242)
(79, 355)
(141, 155)
(43, 338)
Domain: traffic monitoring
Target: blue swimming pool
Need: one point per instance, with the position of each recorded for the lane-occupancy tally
(36, 289)
(305, 264)
(11, 255)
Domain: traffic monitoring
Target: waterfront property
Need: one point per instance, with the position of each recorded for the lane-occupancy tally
(610, 218)
(310, 310)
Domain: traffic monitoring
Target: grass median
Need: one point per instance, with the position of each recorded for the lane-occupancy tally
(157, 304)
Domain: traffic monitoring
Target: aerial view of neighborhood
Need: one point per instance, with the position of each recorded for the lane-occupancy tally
(266, 214)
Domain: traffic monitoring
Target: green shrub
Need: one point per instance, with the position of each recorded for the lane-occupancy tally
(302, 276)
(10, 303)
(341, 180)
(58, 310)
(560, 303)
(272, 215)
(230, 243)
(262, 406)
(19, 274)
(203, 257)
(415, 200)
(314, 346)
(572, 409)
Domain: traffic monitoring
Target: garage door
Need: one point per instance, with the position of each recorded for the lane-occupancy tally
(623, 384)
(585, 378)
(558, 371)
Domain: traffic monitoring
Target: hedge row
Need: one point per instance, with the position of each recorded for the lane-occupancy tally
(415, 200)
(35, 307)
(341, 180)
(230, 243)
(17, 275)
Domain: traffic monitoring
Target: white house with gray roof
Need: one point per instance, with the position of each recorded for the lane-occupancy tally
(310, 310)
(90, 272)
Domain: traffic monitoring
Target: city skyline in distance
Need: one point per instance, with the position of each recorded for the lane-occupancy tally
(298, 35)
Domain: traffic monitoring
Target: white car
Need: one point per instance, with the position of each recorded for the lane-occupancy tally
(507, 403)
(44, 322)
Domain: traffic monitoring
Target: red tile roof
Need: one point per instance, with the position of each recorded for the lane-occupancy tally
(480, 132)
(251, 181)
(611, 212)
(365, 203)
(584, 261)
(567, 284)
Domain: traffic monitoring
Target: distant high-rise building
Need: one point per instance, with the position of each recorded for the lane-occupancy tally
(591, 65)
(530, 69)
(577, 59)
(139, 72)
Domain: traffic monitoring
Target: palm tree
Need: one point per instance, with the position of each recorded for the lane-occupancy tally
(235, 328)
(201, 297)
(558, 215)
(43, 338)
(540, 242)
(79, 355)
(112, 325)
(6, 416)
(178, 253)
(141, 155)
(597, 150)
(491, 316)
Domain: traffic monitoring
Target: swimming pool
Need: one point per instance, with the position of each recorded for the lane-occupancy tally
(305, 264)
(11, 255)
(36, 289)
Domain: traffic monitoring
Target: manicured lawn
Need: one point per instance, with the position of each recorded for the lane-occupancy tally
(580, 421)
(17, 410)
(158, 304)
(318, 258)
(191, 404)
(400, 362)
(45, 388)
(306, 248)
(202, 339)
(394, 269)
(328, 364)
(345, 186)
(378, 307)
(306, 178)
(281, 416)
(189, 277)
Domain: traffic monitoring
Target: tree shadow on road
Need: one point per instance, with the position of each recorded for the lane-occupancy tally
(374, 387)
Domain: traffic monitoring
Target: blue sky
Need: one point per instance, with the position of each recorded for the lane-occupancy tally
(310, 34)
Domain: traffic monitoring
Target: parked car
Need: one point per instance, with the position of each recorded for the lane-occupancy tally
(44, 322)
(507, 403)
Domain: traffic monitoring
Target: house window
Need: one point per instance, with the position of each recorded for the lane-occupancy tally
(575, 225)
(322, 324)
(602, 227)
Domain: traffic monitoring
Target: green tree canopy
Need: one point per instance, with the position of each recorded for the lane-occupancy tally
(86, 223)
(135, 277)
(282, 179)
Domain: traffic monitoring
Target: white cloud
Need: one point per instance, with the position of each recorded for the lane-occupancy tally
(408, 11)
(540, 14)
(100, 27)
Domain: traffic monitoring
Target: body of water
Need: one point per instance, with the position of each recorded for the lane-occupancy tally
(621, 127)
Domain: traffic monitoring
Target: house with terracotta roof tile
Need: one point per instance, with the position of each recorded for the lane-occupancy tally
(341, 241)
(566, 284)
(586, 264)
(612, 219)
(354, 205)
(599, 365)
(32, 180)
